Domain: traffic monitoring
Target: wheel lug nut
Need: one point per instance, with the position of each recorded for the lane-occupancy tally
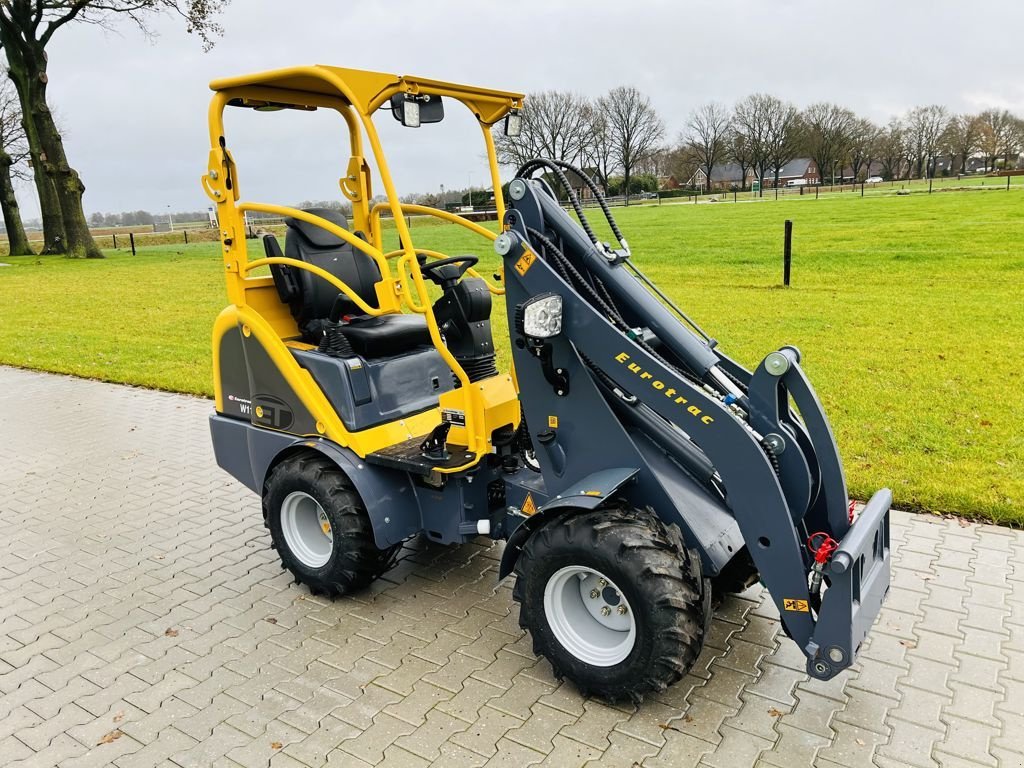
(622, 610)
(594, 594)
(602, 582)
(606, 611)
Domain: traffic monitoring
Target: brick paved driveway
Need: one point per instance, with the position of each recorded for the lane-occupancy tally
(144, 621)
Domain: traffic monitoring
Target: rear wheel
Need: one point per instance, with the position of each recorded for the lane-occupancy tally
(320, 527)
(613, 600)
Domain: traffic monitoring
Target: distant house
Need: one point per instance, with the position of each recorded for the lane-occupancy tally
(578, 184)
(876, 168)
(793, 171)
(724, 176)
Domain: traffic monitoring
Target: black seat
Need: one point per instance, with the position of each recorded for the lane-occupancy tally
(311, 298)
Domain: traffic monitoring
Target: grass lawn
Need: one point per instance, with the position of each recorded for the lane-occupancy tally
(908, 311)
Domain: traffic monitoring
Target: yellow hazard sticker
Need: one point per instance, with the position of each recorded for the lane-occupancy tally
(591, 493)
(791, 604)
(525, 262)
(529, 507)
(553, 422)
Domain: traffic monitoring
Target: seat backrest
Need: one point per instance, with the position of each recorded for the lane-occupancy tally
(315, 245)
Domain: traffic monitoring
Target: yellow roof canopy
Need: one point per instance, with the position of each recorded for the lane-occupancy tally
(306, 87)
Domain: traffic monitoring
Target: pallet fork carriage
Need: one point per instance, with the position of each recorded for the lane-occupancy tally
(631, 466)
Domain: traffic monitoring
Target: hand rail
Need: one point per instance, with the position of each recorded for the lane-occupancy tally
(334, 281)
(426, 210)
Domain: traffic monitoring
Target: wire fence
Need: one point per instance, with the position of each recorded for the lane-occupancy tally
(132, 238)
(818, 191)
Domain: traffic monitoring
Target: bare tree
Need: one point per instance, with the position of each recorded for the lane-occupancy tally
(13, 153)
(738, 150)
(772, 130)
(706, 132)
(963, 136)
(890, 149)
(998, 129)
(862, 147)
(828, 136)
(925, 127)
(1015, 145)
(26, 29)
(599, 152)
(655, 163)
(748, 119)
(634, 127)
(556, 126)
(784, 134)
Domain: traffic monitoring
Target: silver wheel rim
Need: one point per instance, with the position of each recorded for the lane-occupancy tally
(306, 529)
(589, 616)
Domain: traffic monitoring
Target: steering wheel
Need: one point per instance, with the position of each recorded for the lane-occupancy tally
(429, 269)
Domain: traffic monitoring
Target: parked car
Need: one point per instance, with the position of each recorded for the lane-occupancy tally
(873, 180)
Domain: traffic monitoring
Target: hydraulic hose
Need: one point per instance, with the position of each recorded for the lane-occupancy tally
(556, 166)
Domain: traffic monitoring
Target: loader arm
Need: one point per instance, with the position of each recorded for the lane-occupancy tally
(780, 474)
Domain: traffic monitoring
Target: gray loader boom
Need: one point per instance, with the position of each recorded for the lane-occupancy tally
(719, 451)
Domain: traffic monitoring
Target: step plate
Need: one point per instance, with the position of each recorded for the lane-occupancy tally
(408, 457)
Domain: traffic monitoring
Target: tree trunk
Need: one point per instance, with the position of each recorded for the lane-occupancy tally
(49, 206)
(16, 237)
(28, 65)
(625, 181)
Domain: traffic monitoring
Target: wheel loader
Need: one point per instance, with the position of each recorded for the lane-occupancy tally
(631, 467)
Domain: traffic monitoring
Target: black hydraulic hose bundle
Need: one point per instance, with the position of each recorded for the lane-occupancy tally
(556, 166)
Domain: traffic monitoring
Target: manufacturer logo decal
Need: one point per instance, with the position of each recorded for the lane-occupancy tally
(244, 406)
(660, 386)
(270, 411)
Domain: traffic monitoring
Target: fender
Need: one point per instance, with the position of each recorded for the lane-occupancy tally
(249, 454)
(589, 493)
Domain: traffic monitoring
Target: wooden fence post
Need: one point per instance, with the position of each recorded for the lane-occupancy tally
(131, 239)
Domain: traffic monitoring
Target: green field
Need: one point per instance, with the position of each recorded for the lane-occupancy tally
(908, 311)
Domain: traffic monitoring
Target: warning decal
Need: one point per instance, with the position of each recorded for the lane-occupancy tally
(791, 604)
(529, 507)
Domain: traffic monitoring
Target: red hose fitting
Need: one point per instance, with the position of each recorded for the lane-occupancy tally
(852, 507)
(822, 546)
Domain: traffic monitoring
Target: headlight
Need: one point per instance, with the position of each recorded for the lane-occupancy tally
(541, 316)
(513, 124)
(411, 113)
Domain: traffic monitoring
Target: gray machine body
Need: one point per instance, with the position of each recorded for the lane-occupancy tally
(368, 392)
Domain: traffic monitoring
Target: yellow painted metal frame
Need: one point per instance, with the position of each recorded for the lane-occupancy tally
(356, 95)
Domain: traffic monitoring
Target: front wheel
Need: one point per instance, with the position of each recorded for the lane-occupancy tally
(613, 600)
(320, 528)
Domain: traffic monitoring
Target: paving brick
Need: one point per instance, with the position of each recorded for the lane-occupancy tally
(909, 745)
(594, 725)
(313, 750)
(369, 745)
(429, 665)
(436, 729)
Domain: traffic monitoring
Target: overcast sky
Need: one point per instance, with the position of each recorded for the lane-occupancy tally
(134, 110)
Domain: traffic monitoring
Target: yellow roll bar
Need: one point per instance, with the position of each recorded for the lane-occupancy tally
(356, 95)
